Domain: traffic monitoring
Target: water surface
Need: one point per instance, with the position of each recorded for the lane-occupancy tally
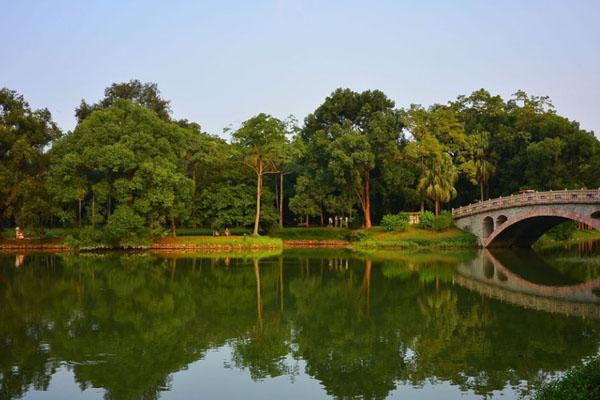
(298, 325)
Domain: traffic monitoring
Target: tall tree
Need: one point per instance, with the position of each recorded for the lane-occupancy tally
(438, 176)
(132, 161)
(24, 136)
(145, 94)
(260, 140)
(351, 139)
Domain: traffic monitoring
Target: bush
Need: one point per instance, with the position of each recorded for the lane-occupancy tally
(581, 383)
(442, 221)
(394, 222)
(426, 220)
(356, 236)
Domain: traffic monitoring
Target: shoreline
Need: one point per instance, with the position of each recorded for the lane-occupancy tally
(376, 239)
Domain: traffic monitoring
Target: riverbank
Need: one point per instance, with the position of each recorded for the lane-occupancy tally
(361, 239)
(412, 239)
(547, 243)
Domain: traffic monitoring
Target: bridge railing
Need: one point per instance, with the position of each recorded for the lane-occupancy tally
(583, 196)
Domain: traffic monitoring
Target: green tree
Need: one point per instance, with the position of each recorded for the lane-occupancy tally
(260, 140)
(24, 136)
(144, 94)
(351, 139)
(134, 161)
(438, 179)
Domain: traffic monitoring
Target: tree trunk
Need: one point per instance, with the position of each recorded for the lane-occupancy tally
(422, 206)
(259, 306)
(93, 210)
(259, 178)
(367, 201)
(79, 216)
(173, 227)
(482, 189)
(281, 283)
(281, 200)
(307, 221)
(437, 207)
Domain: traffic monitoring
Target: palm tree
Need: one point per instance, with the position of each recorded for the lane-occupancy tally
(438, 179)
(484, 169)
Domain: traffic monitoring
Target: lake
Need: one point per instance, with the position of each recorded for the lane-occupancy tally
(302, 324)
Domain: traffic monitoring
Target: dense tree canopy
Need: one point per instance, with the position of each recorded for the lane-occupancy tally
(24, 136)
(129, 170)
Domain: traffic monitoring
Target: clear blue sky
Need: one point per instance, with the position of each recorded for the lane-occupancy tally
(220, 62)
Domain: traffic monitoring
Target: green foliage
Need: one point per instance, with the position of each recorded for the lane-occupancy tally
(394, 222)
(24, 135)
(430, 221)
(145, 94)
(580, 383)
(120, 163)
(310, 233)
(261, 141)
(564, 231)
(442, 221)
(356, 236)
(426, 220)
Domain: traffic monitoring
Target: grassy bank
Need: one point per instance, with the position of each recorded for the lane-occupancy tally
(217, 243)
(581, 383)
(411, 239)
(414, 238)
(546, 242)
(302, 234)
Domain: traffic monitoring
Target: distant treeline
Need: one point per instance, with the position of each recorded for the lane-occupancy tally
(130, 171)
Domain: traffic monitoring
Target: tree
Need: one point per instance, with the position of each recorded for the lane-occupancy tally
(351, 139)
(132, 161)
(24, 136)
(144, 94)
(438, 179)
(260, 140)
(479, 167)
(306, 202)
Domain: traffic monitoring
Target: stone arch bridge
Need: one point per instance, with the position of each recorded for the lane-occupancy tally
(519, 220)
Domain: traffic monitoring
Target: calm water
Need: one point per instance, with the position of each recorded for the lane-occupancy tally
(307, 324)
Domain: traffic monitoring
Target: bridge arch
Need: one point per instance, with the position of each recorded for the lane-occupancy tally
(487, 225)
(500, 220)
(526, 228)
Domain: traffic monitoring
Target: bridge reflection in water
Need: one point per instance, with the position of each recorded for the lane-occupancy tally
(489, 275)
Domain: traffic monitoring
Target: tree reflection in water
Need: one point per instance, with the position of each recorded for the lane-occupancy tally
(362, 325)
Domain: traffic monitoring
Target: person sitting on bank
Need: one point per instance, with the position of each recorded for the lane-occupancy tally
(19, 233)
(227, 233)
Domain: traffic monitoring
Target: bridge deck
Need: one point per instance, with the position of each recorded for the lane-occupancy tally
(583, 196)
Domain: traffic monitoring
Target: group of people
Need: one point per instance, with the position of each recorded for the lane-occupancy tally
(216, 232)
(338, 222)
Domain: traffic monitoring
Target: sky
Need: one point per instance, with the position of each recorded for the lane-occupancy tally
(221, 62)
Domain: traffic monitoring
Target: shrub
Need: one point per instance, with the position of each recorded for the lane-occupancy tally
(442, 221)
(581, 383)
(426, 220)
(356, 236)
(394, 222)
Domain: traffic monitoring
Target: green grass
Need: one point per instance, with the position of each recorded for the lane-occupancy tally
(546, 242)
(310, 233)
(217, 242)
(581, 383)
(414, 238)
(208, 231)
